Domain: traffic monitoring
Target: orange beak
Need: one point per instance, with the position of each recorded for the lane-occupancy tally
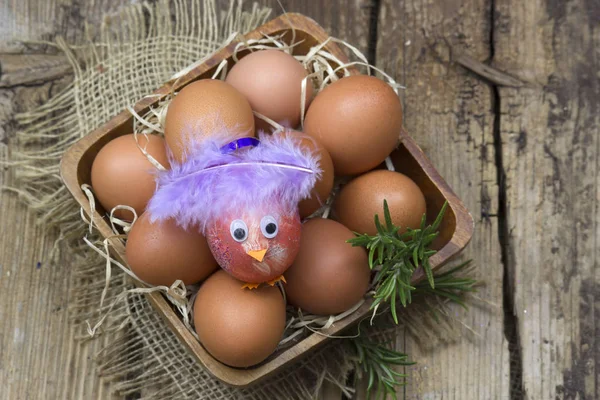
(258, 255)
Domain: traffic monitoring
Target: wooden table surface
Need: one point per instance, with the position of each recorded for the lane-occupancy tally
(522, 151)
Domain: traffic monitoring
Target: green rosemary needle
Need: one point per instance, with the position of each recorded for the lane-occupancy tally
(376, 362)
(396, 256)
(449, 285)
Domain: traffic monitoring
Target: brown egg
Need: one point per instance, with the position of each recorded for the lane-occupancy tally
(329, 276)
(239, 327)
(203, 108)
(358, 201)
(323, 187)
(271, 80)
(358, 120)
(122, 175)
(162, 252)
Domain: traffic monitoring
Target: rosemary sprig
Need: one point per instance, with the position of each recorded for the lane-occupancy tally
(376, 362)
(396, 256)
(449, 286)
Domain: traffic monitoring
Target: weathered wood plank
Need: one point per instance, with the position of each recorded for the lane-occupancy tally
(551, 152)
(345, 19)
(449, 111)
(38, 354)
(39, 357)
(31, 69)
(44, 20)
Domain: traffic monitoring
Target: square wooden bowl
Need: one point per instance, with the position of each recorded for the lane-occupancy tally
(455, 231)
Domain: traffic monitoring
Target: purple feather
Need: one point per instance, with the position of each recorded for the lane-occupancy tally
(278, 172)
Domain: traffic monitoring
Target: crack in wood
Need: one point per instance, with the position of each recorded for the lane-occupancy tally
(511, 331)
(374, 8)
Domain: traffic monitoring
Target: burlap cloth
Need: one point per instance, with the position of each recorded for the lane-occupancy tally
(126, 58)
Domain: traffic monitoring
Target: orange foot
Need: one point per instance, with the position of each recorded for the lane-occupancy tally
(250, 286)
(278, 279)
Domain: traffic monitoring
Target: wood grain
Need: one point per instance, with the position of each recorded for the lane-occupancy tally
(550, 158)
(32, 69)
(345, 19)
(39, 357)
(45, 20)
(38, 353)
(448, 111)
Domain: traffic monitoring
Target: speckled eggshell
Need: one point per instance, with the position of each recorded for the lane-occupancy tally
(122, 175)
(160, 253)
(271, 80)
(205, 108)
(329, 276)
(239, 327)
(362, 198)
(358, 120)
(322, 189)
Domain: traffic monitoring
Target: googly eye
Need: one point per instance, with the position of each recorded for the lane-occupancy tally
(238, 230)
(269, 227)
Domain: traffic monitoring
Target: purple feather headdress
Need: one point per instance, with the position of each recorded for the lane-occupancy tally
(212, 182)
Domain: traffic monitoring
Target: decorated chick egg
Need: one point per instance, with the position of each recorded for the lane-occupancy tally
(256, 245)
(244, 196)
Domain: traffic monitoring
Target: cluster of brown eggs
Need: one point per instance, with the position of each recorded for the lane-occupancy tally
(353, 124)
